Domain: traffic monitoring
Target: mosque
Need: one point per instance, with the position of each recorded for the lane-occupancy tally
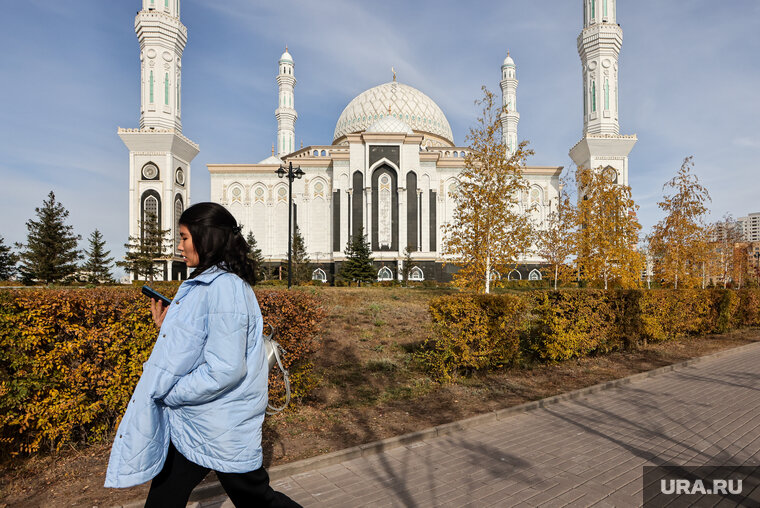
(389, 171)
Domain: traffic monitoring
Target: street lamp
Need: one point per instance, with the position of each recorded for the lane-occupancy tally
(291, 175)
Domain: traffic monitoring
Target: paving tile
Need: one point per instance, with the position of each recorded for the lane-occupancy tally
(588, 451)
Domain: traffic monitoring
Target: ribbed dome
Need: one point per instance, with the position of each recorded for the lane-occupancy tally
(412, 107)
(390, 124)
(508, 62)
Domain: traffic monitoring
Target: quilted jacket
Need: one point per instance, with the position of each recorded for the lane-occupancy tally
(204, 386)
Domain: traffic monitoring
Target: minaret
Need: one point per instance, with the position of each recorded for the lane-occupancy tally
(159, 155)
(510, 118)
(286, 112)
(599, 48)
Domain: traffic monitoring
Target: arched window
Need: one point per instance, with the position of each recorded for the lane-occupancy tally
(593, 10)
(535, 196)
(166, 89)
(315, 153)
(323, 153)
(150, 209)
(319, 275)
(514, 275)
(385, 273)
(151, 87)
(593, 96)
(178, 209)
(495, 275)
(416, 274)
(534, 274)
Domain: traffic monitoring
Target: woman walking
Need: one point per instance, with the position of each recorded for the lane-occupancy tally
(201, 399)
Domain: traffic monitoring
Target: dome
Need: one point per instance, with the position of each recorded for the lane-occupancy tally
(390, 124)
(412, 107)
(508, 62)
(286, 57)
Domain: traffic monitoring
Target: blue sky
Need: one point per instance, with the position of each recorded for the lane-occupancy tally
(689, 81)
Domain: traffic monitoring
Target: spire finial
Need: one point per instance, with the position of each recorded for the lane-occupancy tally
(286, 48)
(394, 73)
(272, 148)
(507, 52)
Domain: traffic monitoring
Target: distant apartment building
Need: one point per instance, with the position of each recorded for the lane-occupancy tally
(726, 231)
(750, 227)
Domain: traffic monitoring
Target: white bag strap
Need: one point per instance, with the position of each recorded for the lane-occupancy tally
(277, 350)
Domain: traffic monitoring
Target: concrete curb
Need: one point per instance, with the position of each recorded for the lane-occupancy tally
(366, 450)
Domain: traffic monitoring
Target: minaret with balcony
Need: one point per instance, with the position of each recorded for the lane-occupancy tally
(286, 111)
(509, 117)
(159, 155)
(599, 45)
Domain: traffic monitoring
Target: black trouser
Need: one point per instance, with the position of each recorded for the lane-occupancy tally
(178, 478)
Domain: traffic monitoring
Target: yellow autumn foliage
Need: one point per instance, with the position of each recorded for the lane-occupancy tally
(474, 332)
(70, 359)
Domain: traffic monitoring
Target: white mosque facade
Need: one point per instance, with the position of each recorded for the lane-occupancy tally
(388, 172)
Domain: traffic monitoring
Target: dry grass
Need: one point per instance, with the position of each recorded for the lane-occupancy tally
(369, 389)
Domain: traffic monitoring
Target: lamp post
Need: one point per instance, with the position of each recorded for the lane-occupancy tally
(291, 174)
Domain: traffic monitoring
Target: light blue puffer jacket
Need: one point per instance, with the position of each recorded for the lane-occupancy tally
(204, 386)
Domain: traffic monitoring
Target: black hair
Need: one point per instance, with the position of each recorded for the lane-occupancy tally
(218, 240)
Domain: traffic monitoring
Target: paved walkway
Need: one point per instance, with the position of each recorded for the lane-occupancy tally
(585, 452)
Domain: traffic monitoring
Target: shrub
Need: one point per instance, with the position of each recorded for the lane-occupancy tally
(749, 307)
(567, 324)
(473, 332)
(667, 314)
(297, 316)
(70, 359)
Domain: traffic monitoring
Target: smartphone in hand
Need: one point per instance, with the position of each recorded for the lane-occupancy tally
(152, 293)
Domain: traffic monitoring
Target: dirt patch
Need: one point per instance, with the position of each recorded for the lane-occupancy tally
(369, 389)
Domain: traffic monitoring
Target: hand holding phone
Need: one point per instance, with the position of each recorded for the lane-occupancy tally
(152, 293)
(159, 304)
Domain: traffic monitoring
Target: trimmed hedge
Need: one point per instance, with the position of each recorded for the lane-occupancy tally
(559, 325)
(70, 359)
(474, 332)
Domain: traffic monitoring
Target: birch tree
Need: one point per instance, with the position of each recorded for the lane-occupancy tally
(556, 239)
(608, 230)
(726, 235)
(489, 229)
(679, 240)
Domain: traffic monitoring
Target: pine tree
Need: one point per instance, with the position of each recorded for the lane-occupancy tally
(488, 232)
(98, 265)
(8, 261)
(143, 251)
(256, 257)
(50, 253)
(358, 264)
(301, 264)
